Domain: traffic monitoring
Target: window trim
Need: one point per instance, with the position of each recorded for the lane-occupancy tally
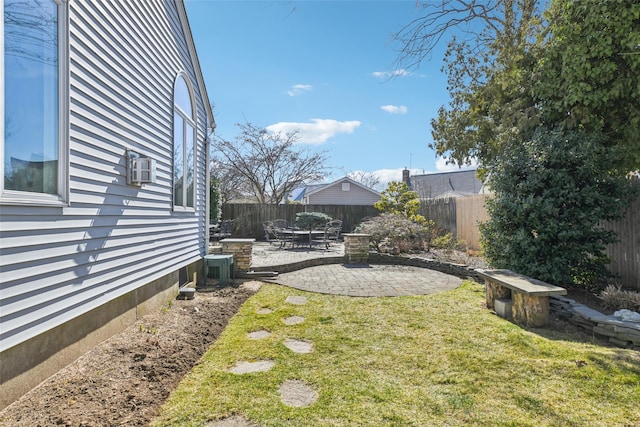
(15, 197)
(191, 120)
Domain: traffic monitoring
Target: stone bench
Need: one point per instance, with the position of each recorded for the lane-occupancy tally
(518, 297)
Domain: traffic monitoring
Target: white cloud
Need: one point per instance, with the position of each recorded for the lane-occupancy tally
(394, 109)
(390, 74)
(299, 90)
(442, 166)
(316, 132)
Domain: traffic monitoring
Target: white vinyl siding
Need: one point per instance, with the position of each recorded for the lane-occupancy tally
(112, 238)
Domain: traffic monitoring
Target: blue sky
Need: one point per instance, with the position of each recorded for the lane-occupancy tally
(321, 67)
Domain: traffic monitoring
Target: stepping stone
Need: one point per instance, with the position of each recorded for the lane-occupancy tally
(298, 346)
(297, 300)
(234, 421)
(264, 310)
(258, 335)
(293, 320)
(253, 286)
(249, 367)
(297, 393)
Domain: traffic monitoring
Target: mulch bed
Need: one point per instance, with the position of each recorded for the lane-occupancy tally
(125, 379)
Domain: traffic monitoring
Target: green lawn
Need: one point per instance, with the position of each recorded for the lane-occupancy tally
(407, 361)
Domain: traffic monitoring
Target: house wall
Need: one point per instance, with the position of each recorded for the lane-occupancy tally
(334, 195)
(59, 264)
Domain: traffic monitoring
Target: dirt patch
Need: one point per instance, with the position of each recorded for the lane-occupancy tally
(125, 379)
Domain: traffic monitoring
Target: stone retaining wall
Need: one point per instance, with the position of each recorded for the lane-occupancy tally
(459, 270)
(299, 265)
(622, 334)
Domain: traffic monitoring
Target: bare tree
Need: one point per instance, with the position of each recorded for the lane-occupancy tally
(478, 22)
(30, 30)
(228, 181)
(265, 165)
(368, 179)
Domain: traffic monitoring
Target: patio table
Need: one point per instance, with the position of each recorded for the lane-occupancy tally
(301, 233)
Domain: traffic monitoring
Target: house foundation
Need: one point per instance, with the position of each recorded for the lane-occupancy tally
(27, 364)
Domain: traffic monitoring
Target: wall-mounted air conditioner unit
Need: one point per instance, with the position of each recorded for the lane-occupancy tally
(140, 170)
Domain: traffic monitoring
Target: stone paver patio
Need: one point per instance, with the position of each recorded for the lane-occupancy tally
(358, 280)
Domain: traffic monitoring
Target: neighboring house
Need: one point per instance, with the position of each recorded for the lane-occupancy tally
(103, 198)
(297, 195)
(445, 184)
(344, 191)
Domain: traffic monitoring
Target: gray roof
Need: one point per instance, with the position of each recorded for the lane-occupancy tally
(451, 184)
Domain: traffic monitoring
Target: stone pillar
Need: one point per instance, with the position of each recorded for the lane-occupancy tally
(241, 251)
(215, 249)
(356, 248)
(495, 291)
(530, 310)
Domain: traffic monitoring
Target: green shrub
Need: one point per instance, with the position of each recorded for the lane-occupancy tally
(399, 199)
(310, 220)
(551, 196)
(448, 241)
(396, 233)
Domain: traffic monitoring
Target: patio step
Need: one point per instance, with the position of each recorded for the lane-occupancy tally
(249, 274)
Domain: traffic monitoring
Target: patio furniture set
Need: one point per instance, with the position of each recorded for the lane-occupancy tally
(278, 232)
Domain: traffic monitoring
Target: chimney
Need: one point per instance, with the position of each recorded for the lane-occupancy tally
(405, 176)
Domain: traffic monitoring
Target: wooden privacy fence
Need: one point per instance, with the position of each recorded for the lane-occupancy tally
(458, 215)
(249, 217)
(624, 255)
(442, 212)
(469, 213)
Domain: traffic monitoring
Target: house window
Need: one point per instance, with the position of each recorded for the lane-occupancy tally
(346, 186)
(184, 140)
(34, 105)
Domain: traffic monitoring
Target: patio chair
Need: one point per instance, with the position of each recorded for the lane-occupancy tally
(336, 223)
(267, 226)
(273, 234)
(225, 230)
(279, 223)
(331, 235)
(334, 230)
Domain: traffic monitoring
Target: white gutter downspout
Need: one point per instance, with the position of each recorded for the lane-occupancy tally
(207, 198)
